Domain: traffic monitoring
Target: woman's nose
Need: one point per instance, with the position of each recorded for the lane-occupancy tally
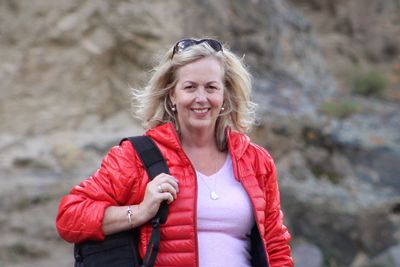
(201, 94)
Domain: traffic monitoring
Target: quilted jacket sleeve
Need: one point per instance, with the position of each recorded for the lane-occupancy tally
(276, 234)
(81, 212)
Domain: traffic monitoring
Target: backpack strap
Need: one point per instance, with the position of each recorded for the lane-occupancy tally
(154, 163)
(150, 155)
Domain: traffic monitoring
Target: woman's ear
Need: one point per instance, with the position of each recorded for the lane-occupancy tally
(171, 96)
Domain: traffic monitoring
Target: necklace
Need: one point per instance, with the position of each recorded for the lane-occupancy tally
(213, 193)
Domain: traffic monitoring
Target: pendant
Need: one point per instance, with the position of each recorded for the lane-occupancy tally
(214, 195)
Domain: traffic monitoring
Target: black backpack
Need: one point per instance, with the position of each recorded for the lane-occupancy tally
(121, 249)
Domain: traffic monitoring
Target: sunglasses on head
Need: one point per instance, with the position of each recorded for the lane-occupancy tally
(183, 44)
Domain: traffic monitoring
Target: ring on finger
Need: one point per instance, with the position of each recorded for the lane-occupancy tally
(160, 188)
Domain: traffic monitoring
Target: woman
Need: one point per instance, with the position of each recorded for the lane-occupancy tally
(223, 192)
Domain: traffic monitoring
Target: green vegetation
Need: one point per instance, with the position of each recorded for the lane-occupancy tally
(340, 109)
(368, 83)
(330, 262)
(323, 172)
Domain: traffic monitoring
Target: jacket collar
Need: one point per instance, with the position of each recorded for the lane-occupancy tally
(166, 135)
(237, 143)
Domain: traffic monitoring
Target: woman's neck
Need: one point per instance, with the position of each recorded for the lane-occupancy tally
(204, 155)
(203, 152)
(198, 140)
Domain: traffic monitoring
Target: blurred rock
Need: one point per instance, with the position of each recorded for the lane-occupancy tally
(371, 139)
(307, 255)
(390, 257)
(67, 155)
(338, 175)
(338, 220)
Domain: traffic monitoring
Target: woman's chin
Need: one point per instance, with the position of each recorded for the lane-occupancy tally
(201, 125)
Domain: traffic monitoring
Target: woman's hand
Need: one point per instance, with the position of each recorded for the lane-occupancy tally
(163, 187)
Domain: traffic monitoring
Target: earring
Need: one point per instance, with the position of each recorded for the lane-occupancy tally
(173, 108)
(222, 109)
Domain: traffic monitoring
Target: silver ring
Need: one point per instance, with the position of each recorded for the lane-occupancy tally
(160, 188)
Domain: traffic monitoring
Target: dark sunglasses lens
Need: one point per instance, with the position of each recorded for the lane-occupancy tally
(185, 43)
(216, 45)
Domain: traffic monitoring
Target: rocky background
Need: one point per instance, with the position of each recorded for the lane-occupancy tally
(326, 78)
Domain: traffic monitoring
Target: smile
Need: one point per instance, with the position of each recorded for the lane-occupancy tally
(200, 110)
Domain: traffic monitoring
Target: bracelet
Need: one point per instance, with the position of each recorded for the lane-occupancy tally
(129, 213)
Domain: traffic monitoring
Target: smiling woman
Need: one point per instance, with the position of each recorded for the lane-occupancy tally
(153, 105)
(198, 97)
(222, 189)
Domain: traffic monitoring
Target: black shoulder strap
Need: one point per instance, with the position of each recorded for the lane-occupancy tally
(154, 164)
(150, 155)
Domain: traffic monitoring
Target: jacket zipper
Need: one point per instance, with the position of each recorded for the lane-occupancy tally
(255, 214)
(237, 175)
(195, 217)
(195, 199)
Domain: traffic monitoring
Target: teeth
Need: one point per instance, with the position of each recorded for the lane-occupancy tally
(200, 110)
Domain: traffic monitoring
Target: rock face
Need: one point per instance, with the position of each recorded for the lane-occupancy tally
(307, 255)
(66, 67)
(338, 174)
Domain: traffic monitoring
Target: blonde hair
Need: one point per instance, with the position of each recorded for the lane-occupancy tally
(153, 105)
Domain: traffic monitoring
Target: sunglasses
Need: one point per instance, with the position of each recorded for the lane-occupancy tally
(183, 44)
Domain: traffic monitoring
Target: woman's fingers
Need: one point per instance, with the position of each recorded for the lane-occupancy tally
(167, 196)
(167, 188)
(162, 179)
(168, 179)
(163, 187)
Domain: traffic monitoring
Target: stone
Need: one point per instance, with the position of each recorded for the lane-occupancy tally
(389, 257)
(307, 255)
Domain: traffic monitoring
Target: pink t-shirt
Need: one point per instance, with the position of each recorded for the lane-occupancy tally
(223, 224)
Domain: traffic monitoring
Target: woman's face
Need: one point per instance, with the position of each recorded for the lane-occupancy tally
(199, 95)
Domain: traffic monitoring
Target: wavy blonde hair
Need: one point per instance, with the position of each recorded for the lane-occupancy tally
(152, 105)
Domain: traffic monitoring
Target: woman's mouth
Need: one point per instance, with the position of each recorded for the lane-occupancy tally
(200, 110)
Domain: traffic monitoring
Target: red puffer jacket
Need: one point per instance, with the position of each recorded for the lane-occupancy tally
(121, 180)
